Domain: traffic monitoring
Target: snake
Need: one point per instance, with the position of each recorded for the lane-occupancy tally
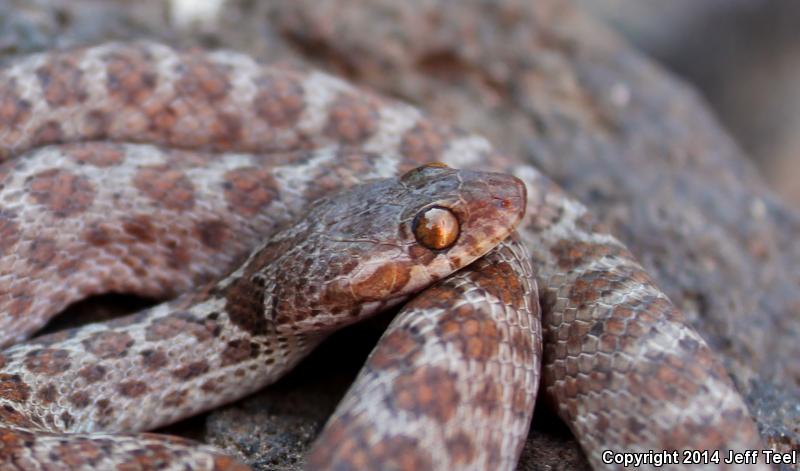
(270, 205)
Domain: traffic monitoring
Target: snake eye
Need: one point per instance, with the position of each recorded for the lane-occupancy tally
(436, 228)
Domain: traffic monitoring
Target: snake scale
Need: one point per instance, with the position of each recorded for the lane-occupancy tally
(133, 167)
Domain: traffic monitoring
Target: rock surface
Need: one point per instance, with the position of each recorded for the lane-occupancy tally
(742, 55)
(543, 80)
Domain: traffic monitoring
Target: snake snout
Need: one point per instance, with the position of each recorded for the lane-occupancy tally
(490, 206)
(496, 200)
(509, 194)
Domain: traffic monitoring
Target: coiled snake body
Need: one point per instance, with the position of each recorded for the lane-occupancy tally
(137, 168)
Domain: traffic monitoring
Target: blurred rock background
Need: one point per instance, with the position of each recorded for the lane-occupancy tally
(743, 55)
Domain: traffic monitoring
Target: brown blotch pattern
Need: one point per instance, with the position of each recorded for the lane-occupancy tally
(191, 370)
(48, 133)
(501, 281)
(176, 398)
(42, 252)
(572, 254)
(424, 143)
(18, 300)
(167, 186)
(154, 359)
(13, 441)
(47, 361)
(493, 454)
(422, 255)
(351, 119)
(96, 124)
(176, 323)
(249, 190)
(13, 389)
(126, 321)
(522, 346)
(12, 417)
(132, 388)
(521, 402)
(211, 385)
(67, 419)
(9, 230)
(245, 305)
(460, 448)
(98, 234)
(65, 266)
(62, 82)
(397, 348)
(347, 447)
(98, 154)
(51, 339)
(47, 394)
(62, 192)
(108, 344)
(81, 452)
(401, 453)
(226, 463)
(472, 331)
(14, 111)
(589, 224)
(162, 122)
(104, 410)
(342, 172)
(388, 278)
(140, 228)
(150, 456)
(279, 101)
(593, 285)
(489, 397)
(203, 80)
(429, 391)
(130, 77)
(213, 234)
(225, 130)
(238, 350)
(79, 399)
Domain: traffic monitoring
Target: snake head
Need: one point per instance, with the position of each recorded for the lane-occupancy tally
(375, 244)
